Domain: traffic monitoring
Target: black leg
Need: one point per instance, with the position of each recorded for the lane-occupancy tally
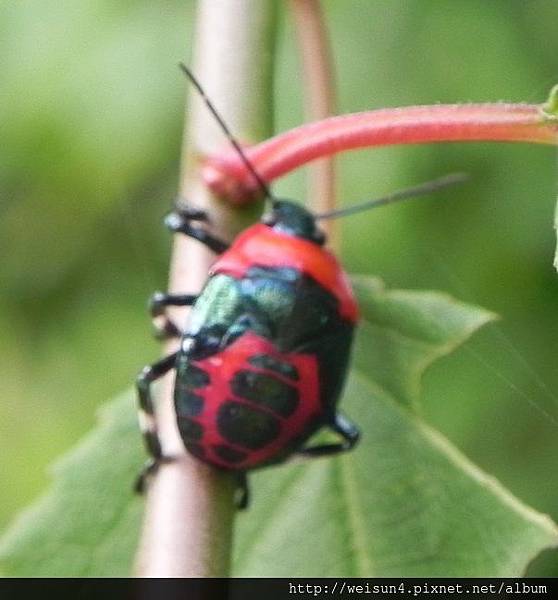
(147, 417)
(346, 429)
(164, 327)
(179, 221)
(189, 213)
(242, 494)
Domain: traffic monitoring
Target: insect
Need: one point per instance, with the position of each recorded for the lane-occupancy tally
(262, 362)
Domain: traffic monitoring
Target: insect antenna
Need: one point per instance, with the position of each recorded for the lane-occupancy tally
(422, 189)
(261, 183)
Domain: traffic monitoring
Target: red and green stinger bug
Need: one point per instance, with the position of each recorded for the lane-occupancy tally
(264, 357)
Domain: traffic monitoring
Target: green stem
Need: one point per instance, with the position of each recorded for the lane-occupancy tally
(190, 511)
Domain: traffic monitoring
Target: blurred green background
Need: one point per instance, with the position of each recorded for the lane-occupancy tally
(91, 120)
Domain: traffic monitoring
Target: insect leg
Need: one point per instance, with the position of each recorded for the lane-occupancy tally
(147, 417)
(346, 429)
(179, 221)
(164, 327)
(242, 495)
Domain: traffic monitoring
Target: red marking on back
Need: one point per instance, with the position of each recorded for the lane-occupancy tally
(261, 245)
(222, 367)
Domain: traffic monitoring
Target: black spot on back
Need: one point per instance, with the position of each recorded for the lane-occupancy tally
(193, 377)
(229, 454)
(246, 426)
(190, 430)
(188, 404)
(265, 390)
(264, 361)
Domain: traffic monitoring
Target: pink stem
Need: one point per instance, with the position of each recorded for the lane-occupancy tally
(226, 174)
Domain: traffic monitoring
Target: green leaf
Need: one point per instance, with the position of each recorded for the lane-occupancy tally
(404, 503)
(402, 332)
(87, 524)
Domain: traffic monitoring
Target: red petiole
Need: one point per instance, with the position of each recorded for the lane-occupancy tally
(226, 174)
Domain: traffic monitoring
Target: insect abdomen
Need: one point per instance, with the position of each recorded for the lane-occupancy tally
(248, 405)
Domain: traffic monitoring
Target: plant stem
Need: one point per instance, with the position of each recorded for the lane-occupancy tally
(319, 91)
(411, 125)
(189, 514)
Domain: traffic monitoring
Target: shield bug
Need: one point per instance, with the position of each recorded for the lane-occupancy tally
(262, 362)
